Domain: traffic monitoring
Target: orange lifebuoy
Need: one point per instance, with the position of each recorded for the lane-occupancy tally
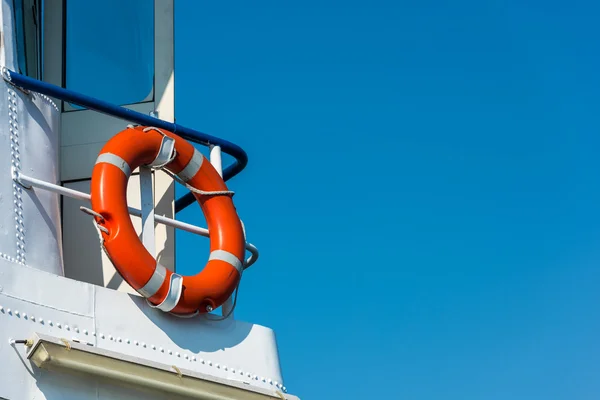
(164, 289)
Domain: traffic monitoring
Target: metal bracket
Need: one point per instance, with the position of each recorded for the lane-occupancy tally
(16, 176)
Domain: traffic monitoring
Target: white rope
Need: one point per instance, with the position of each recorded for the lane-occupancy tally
(213, 317)
(178, 179)
(99, 228)
(198, 191)
(93, 213)
(153, 128)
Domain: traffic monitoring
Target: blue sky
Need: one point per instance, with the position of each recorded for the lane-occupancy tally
(423, 186)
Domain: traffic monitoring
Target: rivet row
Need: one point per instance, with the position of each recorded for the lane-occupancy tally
(104, 336)
(49, 100)
(11, 259)
(17, 190)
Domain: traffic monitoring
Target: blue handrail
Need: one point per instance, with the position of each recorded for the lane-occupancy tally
(241, 158)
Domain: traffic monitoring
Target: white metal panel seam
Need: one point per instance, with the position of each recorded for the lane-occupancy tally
(14, 123)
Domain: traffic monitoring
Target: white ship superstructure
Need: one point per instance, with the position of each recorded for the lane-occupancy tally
(70, 326)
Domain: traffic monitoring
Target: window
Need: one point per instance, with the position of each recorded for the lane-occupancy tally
(109, 49)
(28, 30)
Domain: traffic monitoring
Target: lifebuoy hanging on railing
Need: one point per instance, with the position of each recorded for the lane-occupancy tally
(168, 291)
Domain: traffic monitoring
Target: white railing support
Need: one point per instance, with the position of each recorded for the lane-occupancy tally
(147, 201)
(28, 182)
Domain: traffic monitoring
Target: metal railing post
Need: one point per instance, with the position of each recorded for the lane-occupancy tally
(147, 201)
(29, 182)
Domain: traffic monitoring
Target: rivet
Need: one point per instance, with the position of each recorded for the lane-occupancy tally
(194, 358)
(186, 357)
(128, 341)
(102, 336)
(161, 350)
(119, 340)
(85, 331)
(225, 367)
(110, 337)
(209, 363)
(249, 375)
(262, 378)
(270, 381)
(153, 347)
(284, 389)
(17, 313)
(217, 365)
(201, 361)
(24, 316)
(233, 370)
(50, 322)
(42, 321)
(77, 330)
(241, 372)
(93, 333)
(1, 309)
(177, 354)
(8, 310)
(67, 327)
(143, 344)
(170, 352)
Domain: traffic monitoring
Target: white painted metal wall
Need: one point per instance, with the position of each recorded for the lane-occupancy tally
(30, 229)
(34, 301)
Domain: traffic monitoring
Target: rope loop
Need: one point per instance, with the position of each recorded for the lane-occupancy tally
(198, 191)
(93, 213)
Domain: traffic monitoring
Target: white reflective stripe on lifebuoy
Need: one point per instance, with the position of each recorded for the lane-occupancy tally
(110, 158)
(226, 256)
(192, 167)
(165, 153)
(172, 298)
(155, 282)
